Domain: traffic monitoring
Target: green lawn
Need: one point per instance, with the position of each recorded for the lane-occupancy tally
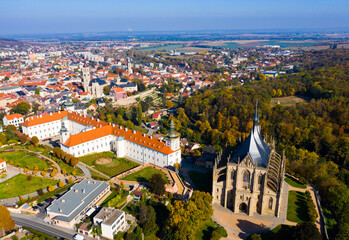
(141, 129)
(24, 159)
(117, 166)
(144, 175)
(202, 181)
(19, 185)
(295, 183)
(297, 207)
(204, 232)
(276, 233)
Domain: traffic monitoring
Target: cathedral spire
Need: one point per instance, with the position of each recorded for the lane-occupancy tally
(256, 116)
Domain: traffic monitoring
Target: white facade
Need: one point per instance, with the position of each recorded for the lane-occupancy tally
(83, 135)
(13, 119)
(3, 166)
(113, 223)
(43, 130)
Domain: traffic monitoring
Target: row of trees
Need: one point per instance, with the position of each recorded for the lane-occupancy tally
(67, 158)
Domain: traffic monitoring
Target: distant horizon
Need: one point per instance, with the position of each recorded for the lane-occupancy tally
(81, 16)
(342, 30)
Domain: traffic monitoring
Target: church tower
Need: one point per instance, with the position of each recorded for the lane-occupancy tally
(86, 77)
(129, 66)
(172, 138)
(63, 133)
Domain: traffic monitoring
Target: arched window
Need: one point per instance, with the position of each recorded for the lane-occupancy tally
(271, 203)
(246, 179)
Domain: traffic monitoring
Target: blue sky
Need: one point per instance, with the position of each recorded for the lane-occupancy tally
(68, 16)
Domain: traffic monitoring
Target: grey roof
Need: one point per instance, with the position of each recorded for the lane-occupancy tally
(98, 81)
(72, 203)
(113, 217)
(254, 146)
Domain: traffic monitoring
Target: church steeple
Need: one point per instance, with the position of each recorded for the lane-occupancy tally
(63, 133)
(256, 116)
(172, 138)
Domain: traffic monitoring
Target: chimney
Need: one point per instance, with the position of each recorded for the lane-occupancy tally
(92, 118)
(121, 127)
(113, 125)
(125, 129)
(97, 120)
(50, 113)
(59, 112)
(151, 137)
(134, 131)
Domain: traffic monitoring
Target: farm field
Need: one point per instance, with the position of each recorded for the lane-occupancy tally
(288, 101)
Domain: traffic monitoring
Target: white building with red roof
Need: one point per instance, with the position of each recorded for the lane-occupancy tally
(3, 165)
(81, 135)
(13, 119)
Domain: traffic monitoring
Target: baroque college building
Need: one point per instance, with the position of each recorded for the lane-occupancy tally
(81, 135)
(249, 179)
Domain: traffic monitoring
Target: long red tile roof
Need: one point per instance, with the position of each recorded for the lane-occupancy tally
(101, 129)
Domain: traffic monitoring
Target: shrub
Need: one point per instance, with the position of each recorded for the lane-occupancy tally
(29, 177)
(53, 174)
(60, 184)
(26, 170)
(64, 171)
(51, 188)
(41, 192)
(70, 180)
(43, 173)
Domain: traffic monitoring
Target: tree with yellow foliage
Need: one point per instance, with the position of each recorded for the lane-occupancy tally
(6, 222)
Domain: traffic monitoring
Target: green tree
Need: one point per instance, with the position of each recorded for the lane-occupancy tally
(35, 140)
(37, 91)
(106, 90)
(139, 115)
(21, 108)
(157, 184)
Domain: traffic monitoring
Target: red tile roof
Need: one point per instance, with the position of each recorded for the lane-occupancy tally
(13, 116)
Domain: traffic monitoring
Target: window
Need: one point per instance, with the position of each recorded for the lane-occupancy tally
(246, 179)
(270, 203)
(260, 179)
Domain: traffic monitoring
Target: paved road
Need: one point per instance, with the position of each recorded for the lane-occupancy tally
(87, 172)
(39, 225)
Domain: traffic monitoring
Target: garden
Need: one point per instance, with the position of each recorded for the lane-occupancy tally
(295, 183)
(144, 175)
(24, 160)
(111, 169)
(23, 184)
(297, 207)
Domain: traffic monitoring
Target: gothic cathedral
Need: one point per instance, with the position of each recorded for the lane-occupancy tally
(249, 179)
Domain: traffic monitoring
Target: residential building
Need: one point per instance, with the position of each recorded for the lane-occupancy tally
(111, 221)
(3, 167)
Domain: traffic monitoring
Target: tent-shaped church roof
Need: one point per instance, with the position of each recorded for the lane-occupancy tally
(254, 146)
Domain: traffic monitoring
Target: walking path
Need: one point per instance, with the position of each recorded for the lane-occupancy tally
(86, 171)
(240, 225)
(88, 168)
